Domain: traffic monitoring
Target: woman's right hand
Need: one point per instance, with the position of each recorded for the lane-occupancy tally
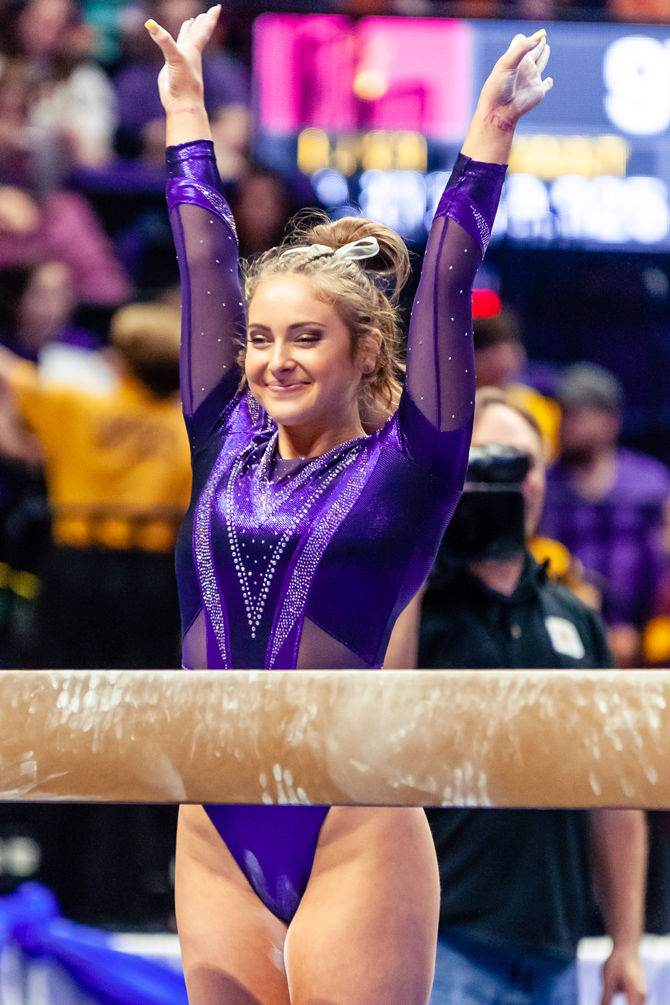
(180, 80)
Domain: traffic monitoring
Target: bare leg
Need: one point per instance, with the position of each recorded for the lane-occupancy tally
(232, 946)
(366, 929)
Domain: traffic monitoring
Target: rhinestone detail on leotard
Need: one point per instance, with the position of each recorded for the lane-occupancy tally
(293, 607)
(268, 498)
(219, 204)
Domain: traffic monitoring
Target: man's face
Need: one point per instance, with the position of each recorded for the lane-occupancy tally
(500, 424)
(585, 432)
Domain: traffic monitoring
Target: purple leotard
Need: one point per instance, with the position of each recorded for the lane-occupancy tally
(285, 564)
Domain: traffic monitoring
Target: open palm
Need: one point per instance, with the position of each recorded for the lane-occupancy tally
(180, 78)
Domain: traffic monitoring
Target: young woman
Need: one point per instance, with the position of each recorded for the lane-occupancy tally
(307, 537)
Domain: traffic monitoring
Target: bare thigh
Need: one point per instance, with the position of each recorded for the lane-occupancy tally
(232, 946)
(365, 932)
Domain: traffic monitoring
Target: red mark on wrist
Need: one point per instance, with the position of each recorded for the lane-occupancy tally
(499, 122)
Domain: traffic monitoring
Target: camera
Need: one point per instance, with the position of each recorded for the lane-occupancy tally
(488, 523)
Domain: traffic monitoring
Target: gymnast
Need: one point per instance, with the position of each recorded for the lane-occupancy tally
(308, 535)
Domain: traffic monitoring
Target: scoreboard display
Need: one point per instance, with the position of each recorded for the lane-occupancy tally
(373, 112)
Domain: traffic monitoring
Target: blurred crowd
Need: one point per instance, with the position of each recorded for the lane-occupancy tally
(94, 465)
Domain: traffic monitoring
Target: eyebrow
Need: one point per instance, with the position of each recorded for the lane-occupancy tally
(294, 327)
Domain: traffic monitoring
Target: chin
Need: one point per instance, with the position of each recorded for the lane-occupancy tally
(288, 413)
(285, 416)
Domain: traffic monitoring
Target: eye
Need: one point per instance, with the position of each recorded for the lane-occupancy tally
(307, 337)
(257, 340)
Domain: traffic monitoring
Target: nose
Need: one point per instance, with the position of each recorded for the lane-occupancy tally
(280, 358)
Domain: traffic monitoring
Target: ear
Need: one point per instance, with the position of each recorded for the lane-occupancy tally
(369, 350)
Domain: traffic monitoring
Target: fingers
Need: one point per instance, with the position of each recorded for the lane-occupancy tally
(521, 45)
(196, 30)
(184, 31)
(162, 38)
(541, 61)
(203, 26)
(542, 56)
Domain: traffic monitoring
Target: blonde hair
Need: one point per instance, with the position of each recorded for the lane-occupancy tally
(364, 293)
(487, 396)
(147, 336)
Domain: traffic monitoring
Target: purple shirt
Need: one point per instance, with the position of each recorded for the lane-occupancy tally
(618, 537)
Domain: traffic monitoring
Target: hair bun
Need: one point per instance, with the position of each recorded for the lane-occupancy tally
(391, 259)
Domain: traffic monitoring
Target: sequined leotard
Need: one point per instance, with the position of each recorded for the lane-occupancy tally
(308, 564)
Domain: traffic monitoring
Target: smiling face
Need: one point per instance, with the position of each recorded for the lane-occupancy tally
(300, 363)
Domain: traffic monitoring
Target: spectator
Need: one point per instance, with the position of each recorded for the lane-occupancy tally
(118, 480)
(38, 219)
(516, 883)
(72, 98)
(37, 304)
(500, 359)
(605, 503)
(30, 157)
(36, 307)
(261, 204)
(644, 11)
(62, 227)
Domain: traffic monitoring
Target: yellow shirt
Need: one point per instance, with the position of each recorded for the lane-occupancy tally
(117, 465)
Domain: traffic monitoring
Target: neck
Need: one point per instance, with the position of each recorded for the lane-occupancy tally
(502, 576)
(295, 441)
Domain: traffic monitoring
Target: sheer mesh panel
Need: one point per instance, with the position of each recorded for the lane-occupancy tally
(440, 357)
(212, 311)
(320, 651)
(194, 645)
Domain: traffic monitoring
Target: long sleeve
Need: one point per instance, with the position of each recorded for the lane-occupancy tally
(440, 358)
(213, 322)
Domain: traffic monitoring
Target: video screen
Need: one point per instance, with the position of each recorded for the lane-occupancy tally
(373, 112)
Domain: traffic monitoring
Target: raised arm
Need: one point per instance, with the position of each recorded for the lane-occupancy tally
(203, 228)
(440, 359)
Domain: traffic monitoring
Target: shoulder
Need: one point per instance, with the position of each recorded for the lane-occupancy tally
(645, 474)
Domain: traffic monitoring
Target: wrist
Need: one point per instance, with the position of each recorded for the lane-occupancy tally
(499, 119)
(181, 110)
(192, 105)
(627, 943)
(488, 142)
(186, 121)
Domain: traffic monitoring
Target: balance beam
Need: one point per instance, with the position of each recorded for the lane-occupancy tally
(546, 738)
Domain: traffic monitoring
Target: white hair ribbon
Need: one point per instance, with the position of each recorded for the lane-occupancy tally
(365, 247)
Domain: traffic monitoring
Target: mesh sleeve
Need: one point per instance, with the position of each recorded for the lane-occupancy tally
(213, 324)
(440, 358)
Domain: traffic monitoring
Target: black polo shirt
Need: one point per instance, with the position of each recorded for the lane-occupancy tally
(516, 878)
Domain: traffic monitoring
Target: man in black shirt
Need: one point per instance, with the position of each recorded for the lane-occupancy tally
(516, 884)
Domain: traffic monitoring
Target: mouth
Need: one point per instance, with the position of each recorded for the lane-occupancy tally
(285, 388)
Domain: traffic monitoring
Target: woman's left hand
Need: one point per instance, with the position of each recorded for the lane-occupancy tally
(515, 84)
